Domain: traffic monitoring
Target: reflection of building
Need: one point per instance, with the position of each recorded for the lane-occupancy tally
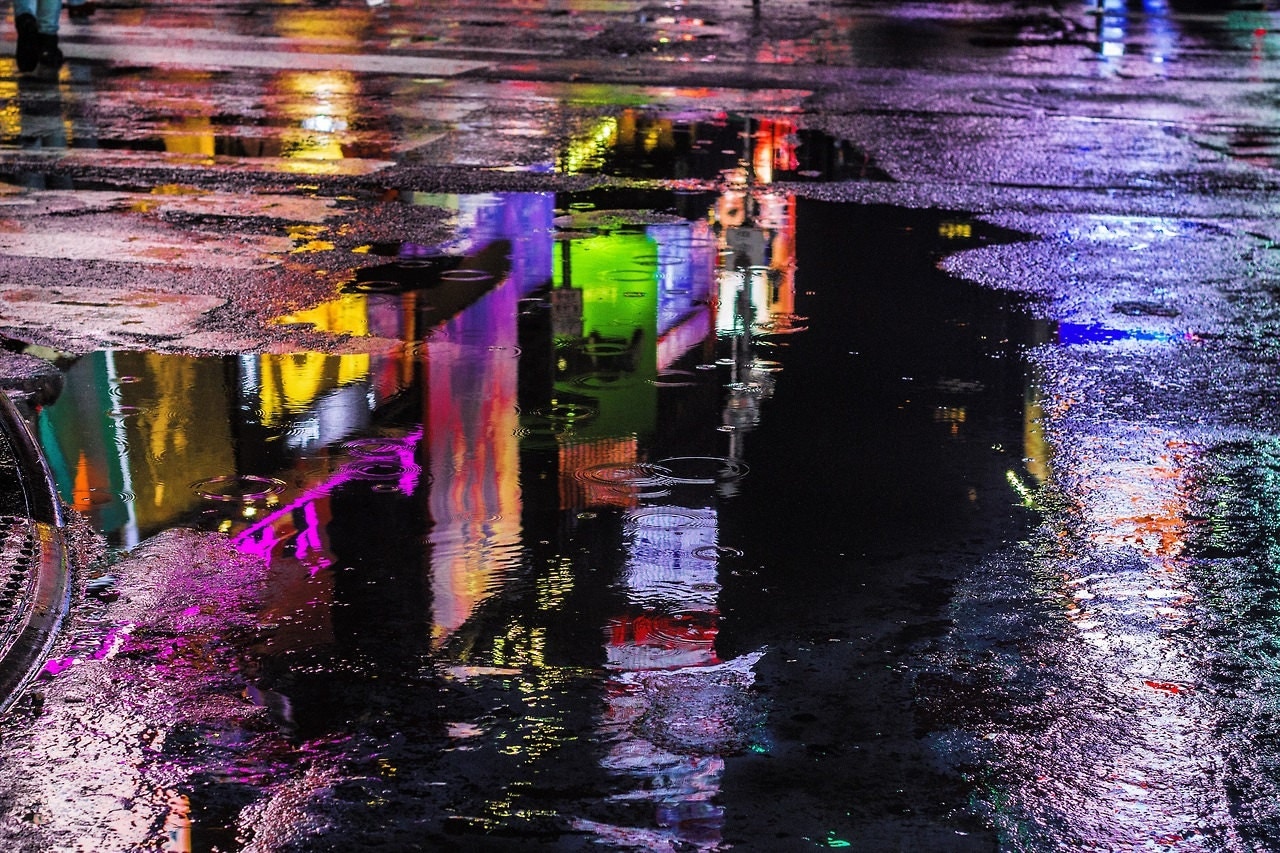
(663, 653)
(393, 483)
(132, 433)
(698, 145)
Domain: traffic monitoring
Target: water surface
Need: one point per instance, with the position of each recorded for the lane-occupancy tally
(621, 523)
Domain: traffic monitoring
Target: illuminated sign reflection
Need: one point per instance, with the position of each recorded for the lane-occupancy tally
(496, 398)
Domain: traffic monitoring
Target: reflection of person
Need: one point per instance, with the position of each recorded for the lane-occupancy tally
(41, 126)
(37, 25)
(40, 114)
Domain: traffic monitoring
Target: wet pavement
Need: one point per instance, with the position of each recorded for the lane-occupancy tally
(650, 427)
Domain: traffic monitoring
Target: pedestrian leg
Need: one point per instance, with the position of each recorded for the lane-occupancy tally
(28, 49)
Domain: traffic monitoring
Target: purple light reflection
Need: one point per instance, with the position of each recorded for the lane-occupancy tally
(111, 644)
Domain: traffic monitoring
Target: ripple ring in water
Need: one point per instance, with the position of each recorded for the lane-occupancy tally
(466, 275)
(674, 379)
(604, 380)
(377, 285)
(373, 447)
(716, 552)
(682, 628)
(242, 488)
(703, 470)
(565, 413)
(665, 518)
(636, 475)
(600, 349)
(378, 470)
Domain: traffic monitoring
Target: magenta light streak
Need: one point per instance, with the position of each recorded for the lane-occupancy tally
(259, 540)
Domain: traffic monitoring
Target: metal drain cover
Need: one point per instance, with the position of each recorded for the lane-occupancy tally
(34, 582)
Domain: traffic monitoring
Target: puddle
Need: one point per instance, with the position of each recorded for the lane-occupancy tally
(540, 561)
(316, 122)
(301, 114)
(640, 144)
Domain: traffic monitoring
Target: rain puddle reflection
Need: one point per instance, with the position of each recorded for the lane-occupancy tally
(639, 144)
(602, 509)
(319, 122)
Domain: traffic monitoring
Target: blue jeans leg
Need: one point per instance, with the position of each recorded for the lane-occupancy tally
(46, 13)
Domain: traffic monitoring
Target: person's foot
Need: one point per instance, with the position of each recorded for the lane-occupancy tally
(80, 11)
(28, 50)
(50, 55)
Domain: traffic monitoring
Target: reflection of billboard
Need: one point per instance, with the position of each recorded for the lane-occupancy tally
(672, 707)
(1072, 334)
(686, 258)
(670, 581)
(651, 641)
(615, 359)
(578, 488)
(472, 425)
(131, 432)
(472, 419)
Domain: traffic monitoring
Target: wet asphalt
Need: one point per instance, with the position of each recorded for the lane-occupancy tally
(1093, 670)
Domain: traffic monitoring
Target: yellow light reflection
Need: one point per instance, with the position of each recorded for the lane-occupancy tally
(172, 440)
(290, 383)
(307, 239)
(554, 589)
(585, 150)
(193, 134)
(346, 315)
(318, 105)
(11, 114)
(319, 24)
(955, 230)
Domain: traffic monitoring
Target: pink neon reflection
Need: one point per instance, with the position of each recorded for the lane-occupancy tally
(274, 530)
(108, 647)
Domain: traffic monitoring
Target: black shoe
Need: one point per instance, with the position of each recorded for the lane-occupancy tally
(80, 12)
(50, 55)
(28, 51)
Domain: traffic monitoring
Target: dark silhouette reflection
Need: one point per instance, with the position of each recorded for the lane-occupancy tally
(654, 145)
(381, 606)
(42, 125)
(379, 621)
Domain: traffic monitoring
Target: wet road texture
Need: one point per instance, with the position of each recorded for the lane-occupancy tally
(669, 427)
